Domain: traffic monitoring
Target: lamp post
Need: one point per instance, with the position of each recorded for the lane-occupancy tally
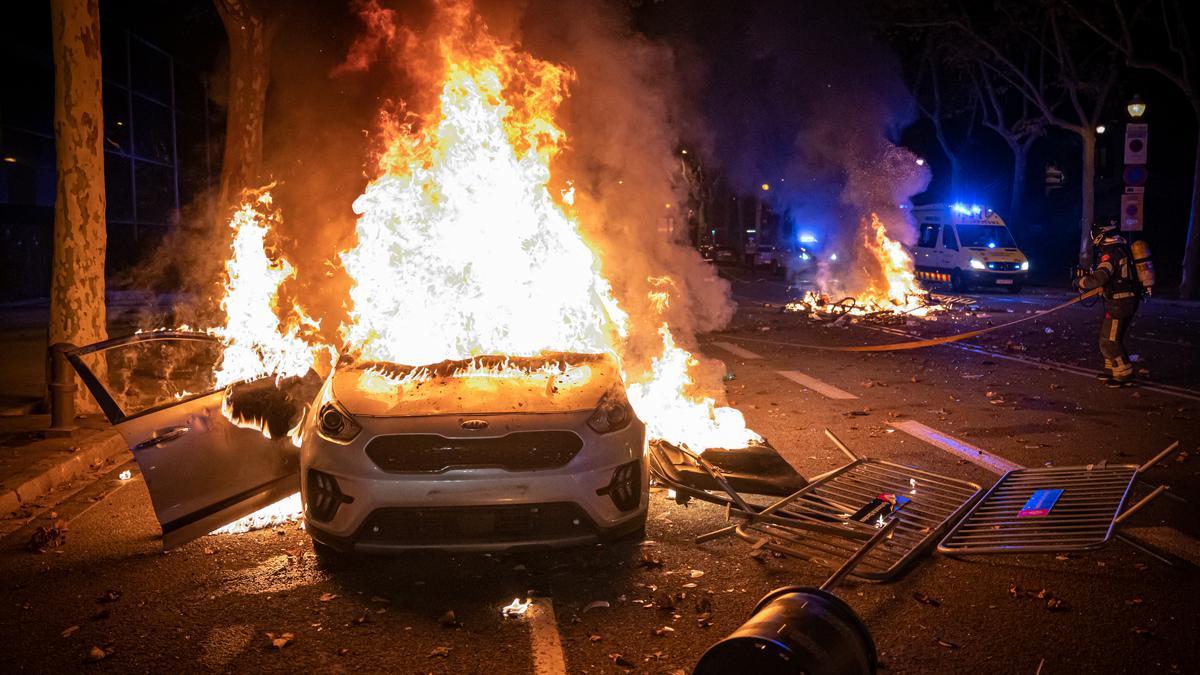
(1135, 174)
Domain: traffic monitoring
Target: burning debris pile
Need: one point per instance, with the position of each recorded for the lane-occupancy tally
(890, 288)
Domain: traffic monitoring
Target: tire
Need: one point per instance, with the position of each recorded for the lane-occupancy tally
(329, 558)
(958, 282)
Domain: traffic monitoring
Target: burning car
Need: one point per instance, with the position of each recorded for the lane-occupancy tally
(484, 454)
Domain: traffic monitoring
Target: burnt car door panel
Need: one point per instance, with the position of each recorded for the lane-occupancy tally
(203, 470)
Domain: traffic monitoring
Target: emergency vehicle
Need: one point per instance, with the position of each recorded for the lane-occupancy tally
(967, 245)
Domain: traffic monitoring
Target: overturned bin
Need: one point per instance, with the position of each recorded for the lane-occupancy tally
(800, 629)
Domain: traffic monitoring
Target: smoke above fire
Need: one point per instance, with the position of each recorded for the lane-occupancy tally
(802, 97)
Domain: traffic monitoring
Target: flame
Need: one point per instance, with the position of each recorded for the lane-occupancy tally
(286, 510)
(463, 249)
(256, 343)
(515, 608)
(892, 285)
(663, 401)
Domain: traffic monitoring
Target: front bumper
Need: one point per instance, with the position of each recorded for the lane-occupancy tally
(994, 278)
(477, 509)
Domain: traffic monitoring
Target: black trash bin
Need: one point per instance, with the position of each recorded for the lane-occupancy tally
(795, 629)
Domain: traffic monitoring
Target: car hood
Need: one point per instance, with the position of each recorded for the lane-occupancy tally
(551, 383)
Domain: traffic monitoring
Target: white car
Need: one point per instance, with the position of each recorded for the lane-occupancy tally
(456, 456)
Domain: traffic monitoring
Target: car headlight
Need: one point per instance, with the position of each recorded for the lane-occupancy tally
(613, 414)
(977, 264)
(335, 424)
(1025, 265)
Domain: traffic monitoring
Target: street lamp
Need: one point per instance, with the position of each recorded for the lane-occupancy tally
(1101, 129)
(766, 187)
(1136, 107)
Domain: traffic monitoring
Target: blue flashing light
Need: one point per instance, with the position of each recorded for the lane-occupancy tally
(833, 257)
(967, 209)
(808, 239)
(991, 244)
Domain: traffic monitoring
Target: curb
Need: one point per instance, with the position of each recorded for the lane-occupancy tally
(98, 448)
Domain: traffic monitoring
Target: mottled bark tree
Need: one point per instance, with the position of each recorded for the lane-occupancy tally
(77, 311)
(250, 26)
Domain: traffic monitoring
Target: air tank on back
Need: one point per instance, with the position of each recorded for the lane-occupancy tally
(1143, 264)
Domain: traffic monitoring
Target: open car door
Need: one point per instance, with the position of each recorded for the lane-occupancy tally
(203, 470)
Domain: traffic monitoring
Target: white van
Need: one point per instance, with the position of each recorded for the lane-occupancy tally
(967, 245)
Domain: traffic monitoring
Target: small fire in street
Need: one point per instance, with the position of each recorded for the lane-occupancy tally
(516, 608)
(891, 286)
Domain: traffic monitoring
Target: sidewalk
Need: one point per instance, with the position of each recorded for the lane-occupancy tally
(33, 468)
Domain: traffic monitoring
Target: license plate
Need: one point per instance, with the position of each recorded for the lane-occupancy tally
(1003, 282)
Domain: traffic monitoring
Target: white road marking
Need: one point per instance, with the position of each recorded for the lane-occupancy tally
(548, 656)
(827, 390)
(736, 350)
(971, 453)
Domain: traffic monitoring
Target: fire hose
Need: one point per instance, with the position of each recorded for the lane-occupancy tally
(918, 344)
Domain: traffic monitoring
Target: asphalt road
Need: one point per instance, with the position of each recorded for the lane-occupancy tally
(1026, 396)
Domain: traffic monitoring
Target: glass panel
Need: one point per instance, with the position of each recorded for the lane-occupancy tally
(145, 374)
(985, 236)
(929, 235)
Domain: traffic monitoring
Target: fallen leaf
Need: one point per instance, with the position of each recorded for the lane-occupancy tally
(281, 640)
(69, 631)
(926, 600)
(326, 597)
(98, 653)
(594, 638)
(440, 651)
(109, 596)
(343, 651)
(648, 559)
(664, 631)
(695, 574)
(1143, 632)
(449, 620)
(945, 643)
(595, 604)
(620, 660)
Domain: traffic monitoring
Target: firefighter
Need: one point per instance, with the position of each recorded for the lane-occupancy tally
(1115, 273)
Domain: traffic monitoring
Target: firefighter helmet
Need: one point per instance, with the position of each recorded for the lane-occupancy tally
(1101, 232)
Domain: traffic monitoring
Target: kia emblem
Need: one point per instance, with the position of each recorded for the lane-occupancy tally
(474, 425)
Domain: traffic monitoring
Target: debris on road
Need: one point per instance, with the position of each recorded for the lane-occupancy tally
(281, 640)
(449, 620)
(45, 538)
(98, 653)
(440, 651)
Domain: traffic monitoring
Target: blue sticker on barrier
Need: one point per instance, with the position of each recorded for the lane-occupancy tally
(1040, 503)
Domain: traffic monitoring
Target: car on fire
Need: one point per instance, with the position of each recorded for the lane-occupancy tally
(484, 454)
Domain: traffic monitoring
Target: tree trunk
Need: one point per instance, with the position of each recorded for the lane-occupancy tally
(1190, 283)
(77, 312)
(1087, 192)
(1016, 203)
(250, 31)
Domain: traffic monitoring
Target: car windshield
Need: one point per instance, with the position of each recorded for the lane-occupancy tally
(985, 236)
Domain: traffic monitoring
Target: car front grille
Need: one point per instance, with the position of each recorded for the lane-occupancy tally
(431, 453)
(510, 523)
(1004, 266)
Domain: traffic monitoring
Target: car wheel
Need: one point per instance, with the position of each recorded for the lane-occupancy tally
(329, 558)
(958, 282)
